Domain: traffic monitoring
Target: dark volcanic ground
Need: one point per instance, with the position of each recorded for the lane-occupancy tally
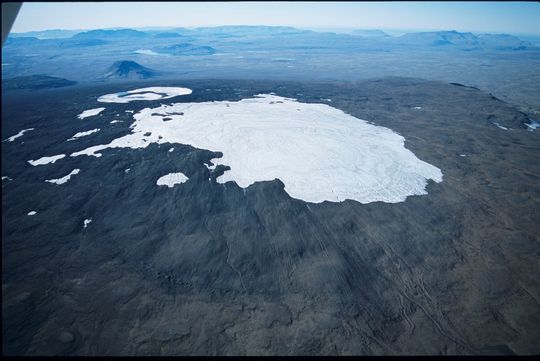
(211, 269)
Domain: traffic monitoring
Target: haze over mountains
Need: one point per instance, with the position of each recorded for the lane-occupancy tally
(491, 62)
(418, 38)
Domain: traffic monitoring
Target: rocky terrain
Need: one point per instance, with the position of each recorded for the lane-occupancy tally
(35, 82)
(110, 263)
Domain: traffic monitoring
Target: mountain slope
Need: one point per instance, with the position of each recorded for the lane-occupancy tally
(130, 70)
(111, 34)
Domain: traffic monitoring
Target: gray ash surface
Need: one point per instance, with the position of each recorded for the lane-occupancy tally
(212, 269)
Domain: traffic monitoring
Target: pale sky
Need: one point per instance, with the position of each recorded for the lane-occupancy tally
(507, 17)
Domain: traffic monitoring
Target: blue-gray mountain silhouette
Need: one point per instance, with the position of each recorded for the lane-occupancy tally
(129, 69)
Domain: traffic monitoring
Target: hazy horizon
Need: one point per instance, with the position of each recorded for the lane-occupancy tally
(478, 17)
(342, 30)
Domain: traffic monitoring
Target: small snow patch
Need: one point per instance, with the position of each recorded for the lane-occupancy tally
(171, 179)
(148, 52)
(90, 113)
(87, 222)
(116, 121)
(6, 177)
(20, 134)
(83, 134)
(127, 170)
(46, 160)
(170, 150)
(416, 108)
(32, 213)
(533, 125)
(499, 126)
(64, 179)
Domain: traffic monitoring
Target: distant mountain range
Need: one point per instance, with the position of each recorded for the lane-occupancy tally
(448, 39)
(504, 41)
(466, 41)
(167, 35)
(439, 38)
(111, 34)
(47, 34)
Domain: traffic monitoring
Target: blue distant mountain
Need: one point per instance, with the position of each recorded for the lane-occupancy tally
(503, 42)
(47, 34)
(464, 41)
(112, 34)
(22, 41)
(439, 38)
(126, 69)
(167, 35)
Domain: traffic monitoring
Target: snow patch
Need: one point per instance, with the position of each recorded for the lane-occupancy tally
(46, 160)
(150, 93)
(171, 179)
(64, 179)
(116, 121)
(532, 125)
(83, 134)
(6, 177)
(148, 52)
(499, 126)
(171, 150)
(320, 153)
(90, 113)
(87, 222)
(417, 108)
(32, 213)
(18, 135)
